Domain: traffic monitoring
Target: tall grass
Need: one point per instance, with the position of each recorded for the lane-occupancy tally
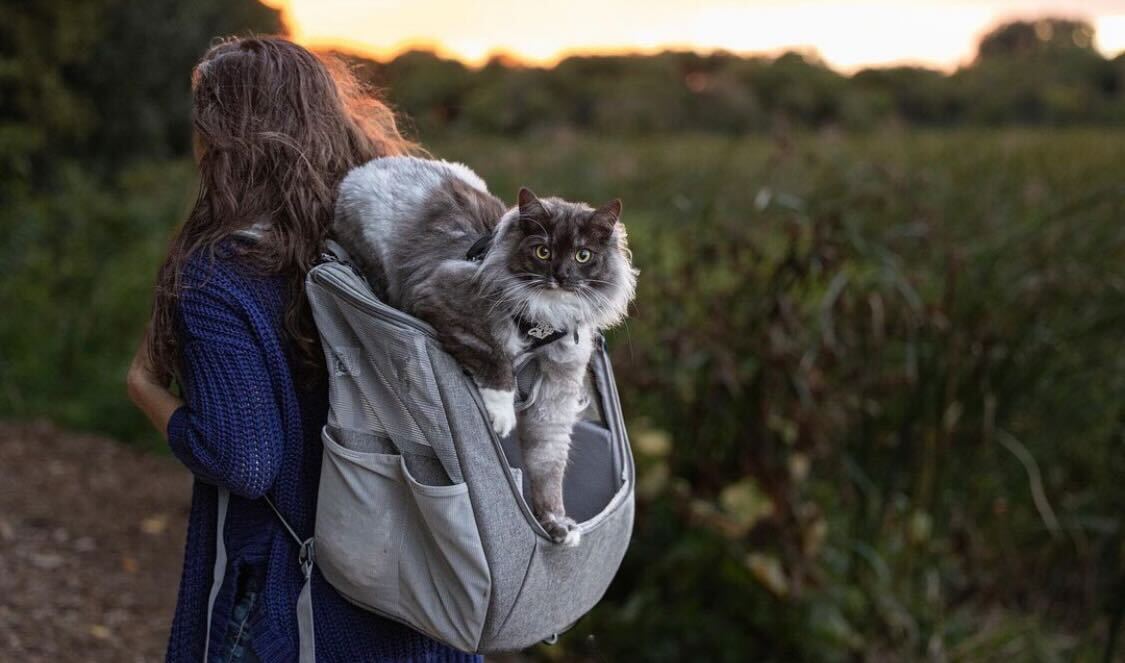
(873, 382)
(874, 385)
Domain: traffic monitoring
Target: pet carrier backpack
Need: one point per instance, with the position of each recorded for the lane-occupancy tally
(423, 514)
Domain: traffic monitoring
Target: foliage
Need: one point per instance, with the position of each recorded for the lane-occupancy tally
(94, 127)
(78, 269)
(871, 377)
(847, 373)
(104, 81)
(1042, 72)
(1025, 37)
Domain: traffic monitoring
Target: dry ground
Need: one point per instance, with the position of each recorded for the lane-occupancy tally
(91, 544)
(91, 541)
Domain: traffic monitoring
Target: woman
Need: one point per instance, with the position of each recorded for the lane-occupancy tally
(275, 131)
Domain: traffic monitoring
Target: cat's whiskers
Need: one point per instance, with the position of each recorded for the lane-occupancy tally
(599, 302)
(500, 285)
(510, 293)
(589, 293)
(624, 320)
(583, 302)
(605, 304)
(519, 291)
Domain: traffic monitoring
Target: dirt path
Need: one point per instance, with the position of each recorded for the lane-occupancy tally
(91, 545)
(91, 541)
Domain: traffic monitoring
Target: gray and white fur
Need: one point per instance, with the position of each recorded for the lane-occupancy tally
(408, 224)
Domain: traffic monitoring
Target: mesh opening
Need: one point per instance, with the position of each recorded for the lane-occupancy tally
(527, 385)
(593, 474)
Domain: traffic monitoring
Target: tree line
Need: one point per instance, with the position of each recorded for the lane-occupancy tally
(1043, 72)
(106, 83)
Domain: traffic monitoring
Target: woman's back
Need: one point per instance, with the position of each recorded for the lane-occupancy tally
(249, 426)
(275, 129)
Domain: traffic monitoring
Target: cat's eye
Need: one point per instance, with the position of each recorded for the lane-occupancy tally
(583, 255)
(542, 252)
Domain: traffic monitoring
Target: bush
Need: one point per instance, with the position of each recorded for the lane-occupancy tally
(79, 263)
(874, 391)
(872, 383)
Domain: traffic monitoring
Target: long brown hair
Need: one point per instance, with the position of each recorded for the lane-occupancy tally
(276, 129)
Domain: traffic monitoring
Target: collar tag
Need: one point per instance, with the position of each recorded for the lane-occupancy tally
(538, 333)
(541, 331)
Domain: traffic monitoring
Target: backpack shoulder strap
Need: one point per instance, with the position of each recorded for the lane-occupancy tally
(306, 633)
(219, 571)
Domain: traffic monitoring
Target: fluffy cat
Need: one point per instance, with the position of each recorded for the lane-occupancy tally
(551, 268)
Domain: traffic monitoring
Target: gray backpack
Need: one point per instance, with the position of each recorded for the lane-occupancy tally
(422, 515)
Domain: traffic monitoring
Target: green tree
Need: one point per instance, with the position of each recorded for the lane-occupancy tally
(1024, 38)
(94, 135)
(426, 88)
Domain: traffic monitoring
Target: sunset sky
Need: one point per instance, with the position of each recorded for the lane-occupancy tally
(847, 33)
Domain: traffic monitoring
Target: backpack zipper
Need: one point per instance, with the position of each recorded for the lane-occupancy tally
(321, 275)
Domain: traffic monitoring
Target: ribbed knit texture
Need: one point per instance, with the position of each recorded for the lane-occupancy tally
(246, 426)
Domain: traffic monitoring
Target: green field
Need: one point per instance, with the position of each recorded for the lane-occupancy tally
(873, 381)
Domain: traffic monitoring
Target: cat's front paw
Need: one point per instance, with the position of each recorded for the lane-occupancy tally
(562, 529)
(501, 407)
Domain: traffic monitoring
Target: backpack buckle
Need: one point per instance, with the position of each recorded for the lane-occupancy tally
(307, 556)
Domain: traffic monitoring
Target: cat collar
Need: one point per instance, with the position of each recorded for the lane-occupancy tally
(479, 248)
(541, 333)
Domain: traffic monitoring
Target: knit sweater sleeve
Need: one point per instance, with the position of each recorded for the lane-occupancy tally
(229, 430)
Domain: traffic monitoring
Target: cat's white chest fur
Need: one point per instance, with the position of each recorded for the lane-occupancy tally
(500, 404)
(567, 350)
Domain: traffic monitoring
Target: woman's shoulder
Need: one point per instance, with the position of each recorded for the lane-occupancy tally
(220, 283)
(225, 268)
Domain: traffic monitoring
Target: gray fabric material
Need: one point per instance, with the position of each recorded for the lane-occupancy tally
(220, 569)
(380, 380)
(562, 584)
(533, 598)
(593, 411)
(507, 538)
(338, 251)
(360, 441)
(592, 474)
(602, 372)
(408, 550)
(528, 380)
(451, 548)
(421, 460)
(306, 633)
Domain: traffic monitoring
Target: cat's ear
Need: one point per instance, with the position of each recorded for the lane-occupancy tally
(610, 211)
(529, 204)
(605, 218)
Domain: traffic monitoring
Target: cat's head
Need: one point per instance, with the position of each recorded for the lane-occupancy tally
(566, 263)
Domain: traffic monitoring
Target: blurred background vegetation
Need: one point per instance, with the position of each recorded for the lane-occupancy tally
(873, 374)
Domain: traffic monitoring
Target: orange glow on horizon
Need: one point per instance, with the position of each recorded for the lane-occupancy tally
(848, 35)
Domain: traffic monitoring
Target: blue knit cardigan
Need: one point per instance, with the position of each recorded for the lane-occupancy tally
(248, 426)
